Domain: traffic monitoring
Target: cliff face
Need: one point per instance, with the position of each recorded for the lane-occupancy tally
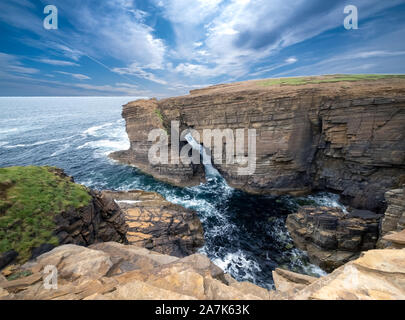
(393, 225)
(347, 137)
(331, 237)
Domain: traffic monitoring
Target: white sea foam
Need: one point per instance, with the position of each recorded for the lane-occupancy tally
(38, 143)
(61, 150)
(106, 145)
(8, 130)
(235, 261)
(309, 268)
(112, 137)
(328, 199)
(94, 131)
(127, 201)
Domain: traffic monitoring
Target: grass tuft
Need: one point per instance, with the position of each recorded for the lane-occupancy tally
(30, 197)
(328, 79)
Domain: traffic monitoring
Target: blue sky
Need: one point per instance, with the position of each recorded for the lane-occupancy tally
(159, 48)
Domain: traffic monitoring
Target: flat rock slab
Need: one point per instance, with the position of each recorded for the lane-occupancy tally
(396, 238)
(159, 225)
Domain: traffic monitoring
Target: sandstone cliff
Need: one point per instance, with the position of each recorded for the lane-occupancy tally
(392, 231)
(320, 133)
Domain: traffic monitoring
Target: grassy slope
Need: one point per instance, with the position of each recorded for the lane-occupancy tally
(328, 79)
(29, 199)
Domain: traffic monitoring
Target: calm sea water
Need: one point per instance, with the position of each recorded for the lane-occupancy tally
(245, 234)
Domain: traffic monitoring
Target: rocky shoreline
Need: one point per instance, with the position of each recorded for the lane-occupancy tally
(136, 245)
(157, 259)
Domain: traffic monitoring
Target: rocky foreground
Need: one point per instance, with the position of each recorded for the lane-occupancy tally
(112, 271)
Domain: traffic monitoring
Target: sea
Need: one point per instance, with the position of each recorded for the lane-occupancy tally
(245, 234)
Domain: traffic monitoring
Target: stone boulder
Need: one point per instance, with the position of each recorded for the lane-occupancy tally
(394, 240)
(376, 275)
(159, 225)
(332, 237)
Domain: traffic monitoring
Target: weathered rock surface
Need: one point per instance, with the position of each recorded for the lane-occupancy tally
(332, 237)
(394, 217)
(142, 117)
(101, 221)
(159, 225)
(112, 271)
(395, 240)
(376, 275)
(288, 283)
(346, 138)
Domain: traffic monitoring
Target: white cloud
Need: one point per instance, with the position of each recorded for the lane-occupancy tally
(237, 34)
(77, 76)
(291, 60)
(58, 62)
(122, 88)
(189, 12)
(136, 70)
(12, 64)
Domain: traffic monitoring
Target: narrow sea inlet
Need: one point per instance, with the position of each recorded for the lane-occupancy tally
(245, 234)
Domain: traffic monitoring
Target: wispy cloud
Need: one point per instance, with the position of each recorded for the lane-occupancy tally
(77, 76)
(171, 46)
(12, 64)
(59, 62)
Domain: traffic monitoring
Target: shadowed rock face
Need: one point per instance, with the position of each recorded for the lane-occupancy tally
(393, 225)
(102, 220)
(332, 237)
(344, 137)
(159, 225)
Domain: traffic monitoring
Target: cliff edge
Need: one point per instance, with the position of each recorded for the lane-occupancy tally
(345, 134)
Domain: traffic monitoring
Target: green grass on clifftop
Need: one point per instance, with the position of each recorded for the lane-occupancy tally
(328, 79)
(30, 197)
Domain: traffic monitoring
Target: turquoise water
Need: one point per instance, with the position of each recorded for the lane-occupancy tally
(245, 234)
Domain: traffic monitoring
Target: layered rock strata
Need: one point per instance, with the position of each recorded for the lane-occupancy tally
(142, 117)
(393, 224)
(101, 221)
(112, 271)
(328, 135)
(332, 237)
(159, 225)
(376, 275)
